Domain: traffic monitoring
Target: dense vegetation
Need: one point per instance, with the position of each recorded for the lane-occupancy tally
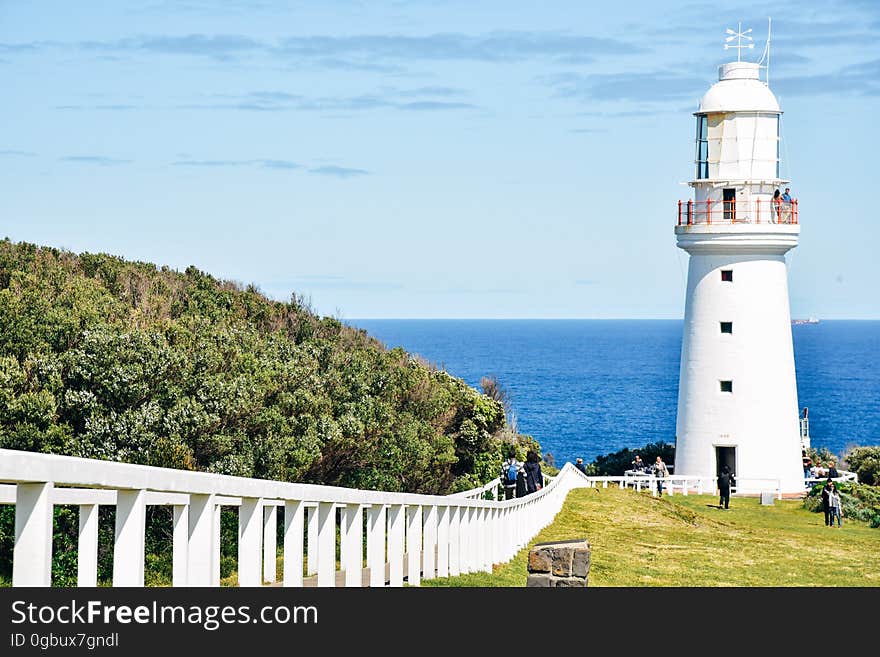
(109, 359)
(616, 463)
(865, 462)
(858, 501)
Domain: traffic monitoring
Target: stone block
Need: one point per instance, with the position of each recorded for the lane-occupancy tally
(539, 561)
(559, 564)
(561, 559)
(580, 563)
(539, 581)
(570, 582)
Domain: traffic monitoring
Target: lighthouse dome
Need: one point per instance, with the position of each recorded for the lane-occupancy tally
(739, 89)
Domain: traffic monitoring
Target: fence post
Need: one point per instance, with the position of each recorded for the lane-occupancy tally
(429, 562)
(376, 527)
(497, 537)
(87, 548)
(128, 545)
(294, 510)
(326, 544)
(395, 543)
(443, 542)
(312, 542)
(200, 545)
(486, 539)
(454, 541)
(270, 543)
(353, 545)
(414, 544)
(216, 529)
(179, 545)
(32, 554)
(250, 534)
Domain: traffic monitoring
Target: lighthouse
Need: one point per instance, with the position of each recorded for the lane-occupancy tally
(737, 396)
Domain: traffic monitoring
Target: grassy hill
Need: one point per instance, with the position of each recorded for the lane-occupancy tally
(638, 540)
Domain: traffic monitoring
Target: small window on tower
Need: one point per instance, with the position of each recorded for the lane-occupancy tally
(702, 155)
(727, 386)
(727, 327)
(727, 275)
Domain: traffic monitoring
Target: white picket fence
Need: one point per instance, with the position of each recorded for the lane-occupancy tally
(407, 535)
(384, 538)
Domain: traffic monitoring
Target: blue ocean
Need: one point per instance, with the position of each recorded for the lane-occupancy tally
(589, 387)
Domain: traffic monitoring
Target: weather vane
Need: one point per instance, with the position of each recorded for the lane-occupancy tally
(739, 35)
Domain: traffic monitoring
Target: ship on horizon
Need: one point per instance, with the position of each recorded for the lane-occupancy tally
(810, 320)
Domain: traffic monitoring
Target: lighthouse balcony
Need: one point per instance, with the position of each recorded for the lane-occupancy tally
(757, 211)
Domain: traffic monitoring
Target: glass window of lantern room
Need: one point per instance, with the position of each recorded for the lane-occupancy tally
(778, 142)
(702, 147)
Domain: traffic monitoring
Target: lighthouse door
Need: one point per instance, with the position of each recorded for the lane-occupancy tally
(729, 198)
(725, 456)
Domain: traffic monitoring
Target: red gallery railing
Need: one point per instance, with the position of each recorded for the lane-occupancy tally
(733, 212)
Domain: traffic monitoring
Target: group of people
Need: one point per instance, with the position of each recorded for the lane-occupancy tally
(520, 479)
(817, 470)
(658, 469)
(782, 206)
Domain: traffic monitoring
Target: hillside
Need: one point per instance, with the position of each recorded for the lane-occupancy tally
(109, 359)
(638, 540)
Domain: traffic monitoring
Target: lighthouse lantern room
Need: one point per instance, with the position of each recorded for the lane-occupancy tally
(737, 400)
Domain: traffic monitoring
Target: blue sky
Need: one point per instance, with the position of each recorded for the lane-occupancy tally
(424, 158)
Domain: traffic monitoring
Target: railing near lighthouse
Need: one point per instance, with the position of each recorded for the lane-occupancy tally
(408, 537)
(756, 211)
(423, 536)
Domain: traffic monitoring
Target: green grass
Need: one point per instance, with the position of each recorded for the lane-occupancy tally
(638, 540)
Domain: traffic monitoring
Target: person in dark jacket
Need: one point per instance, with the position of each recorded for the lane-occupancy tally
(579, 464)
(826, 503)
(832, 470)
(724, 481)
(534, 476)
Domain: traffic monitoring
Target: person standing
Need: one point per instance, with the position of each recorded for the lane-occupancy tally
(832, 471)
(661, 472)
(826, 501)
(637, 464)
(534, 476)
(510, 473)
(834, 505)
(724, 481)
(579, 464)
(786, 197)
(808, 465)
(777, 206)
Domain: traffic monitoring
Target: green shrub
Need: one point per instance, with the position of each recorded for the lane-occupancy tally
(865, 462)
(616, 463)
(858, 501)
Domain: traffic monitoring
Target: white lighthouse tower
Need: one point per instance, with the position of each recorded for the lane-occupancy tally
(737, 397)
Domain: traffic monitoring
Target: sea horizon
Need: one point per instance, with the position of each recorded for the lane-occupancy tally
(587, 387)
